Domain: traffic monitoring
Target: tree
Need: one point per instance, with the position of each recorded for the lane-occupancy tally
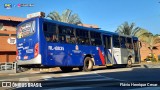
(151, 40)
(66, 16)
(130, 29)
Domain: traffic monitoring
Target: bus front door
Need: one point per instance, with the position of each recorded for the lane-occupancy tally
(136, 51)
(107, 48)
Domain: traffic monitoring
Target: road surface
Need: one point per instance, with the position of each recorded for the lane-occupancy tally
(136, 78)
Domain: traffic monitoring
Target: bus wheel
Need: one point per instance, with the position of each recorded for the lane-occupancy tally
(66, 69)
(129, 63)
(88, 64)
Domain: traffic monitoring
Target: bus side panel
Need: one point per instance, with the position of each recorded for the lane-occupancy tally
(109, 57)
(70, 54)
(125, 55)
(56, 54)
(117, 56)
(99, 57)
(42, 44)
(63, 55)
(43, 52)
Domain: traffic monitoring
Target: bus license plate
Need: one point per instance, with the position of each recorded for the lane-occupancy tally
(25, 57)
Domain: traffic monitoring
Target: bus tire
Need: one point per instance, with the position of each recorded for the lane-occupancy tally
(129, 63)
(66, 69)
(88, 64)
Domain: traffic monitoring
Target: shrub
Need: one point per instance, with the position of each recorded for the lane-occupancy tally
(153, 60)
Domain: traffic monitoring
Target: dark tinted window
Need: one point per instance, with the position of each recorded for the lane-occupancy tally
(66, 34)
(123, 42)
(129, 43)
(50, 32)
(82, 37)
(49, 27)
(66, 30)
(116, 43)
(95, 38)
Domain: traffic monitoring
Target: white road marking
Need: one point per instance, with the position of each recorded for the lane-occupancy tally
(108, 77)
(114, 70)
(94, 76)
(47, 77)
(65, 75)
(23, 79)
(71, 78)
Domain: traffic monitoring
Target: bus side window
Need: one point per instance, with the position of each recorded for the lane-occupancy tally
(54, 38)
(47, 36)
(129, 43)
(68, 40)
(67, 33)
(45, 27)
(95, 38)
(116, 42)
(50, 32)
(93, 42)
(73, 40)
(123, 42)
(62, 38)
(82, 37)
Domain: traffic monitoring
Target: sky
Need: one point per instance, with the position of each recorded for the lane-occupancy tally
(107, 14)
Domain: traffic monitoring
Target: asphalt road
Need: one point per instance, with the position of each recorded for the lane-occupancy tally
(135, 78)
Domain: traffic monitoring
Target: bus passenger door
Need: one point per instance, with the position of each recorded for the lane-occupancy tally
(136, 51)
(116, 50)
(107, 49)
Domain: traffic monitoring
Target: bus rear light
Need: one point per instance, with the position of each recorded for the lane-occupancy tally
(16, 52)
(36, 50)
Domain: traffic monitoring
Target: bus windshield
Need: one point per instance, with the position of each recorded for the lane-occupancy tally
(26, 29)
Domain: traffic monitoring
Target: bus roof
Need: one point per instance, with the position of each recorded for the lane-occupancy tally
(80, 27)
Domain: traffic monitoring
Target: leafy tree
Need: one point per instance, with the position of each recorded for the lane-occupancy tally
(130, 29)
(66, 16)
(151, 40)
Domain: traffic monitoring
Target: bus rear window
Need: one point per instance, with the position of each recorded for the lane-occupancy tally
(26, 29)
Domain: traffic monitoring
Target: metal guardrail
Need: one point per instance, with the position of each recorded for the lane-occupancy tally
(6, 66)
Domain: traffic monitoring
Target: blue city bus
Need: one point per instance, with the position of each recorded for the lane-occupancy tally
(47, 43)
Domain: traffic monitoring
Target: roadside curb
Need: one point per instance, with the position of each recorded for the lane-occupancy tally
(150, 65)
